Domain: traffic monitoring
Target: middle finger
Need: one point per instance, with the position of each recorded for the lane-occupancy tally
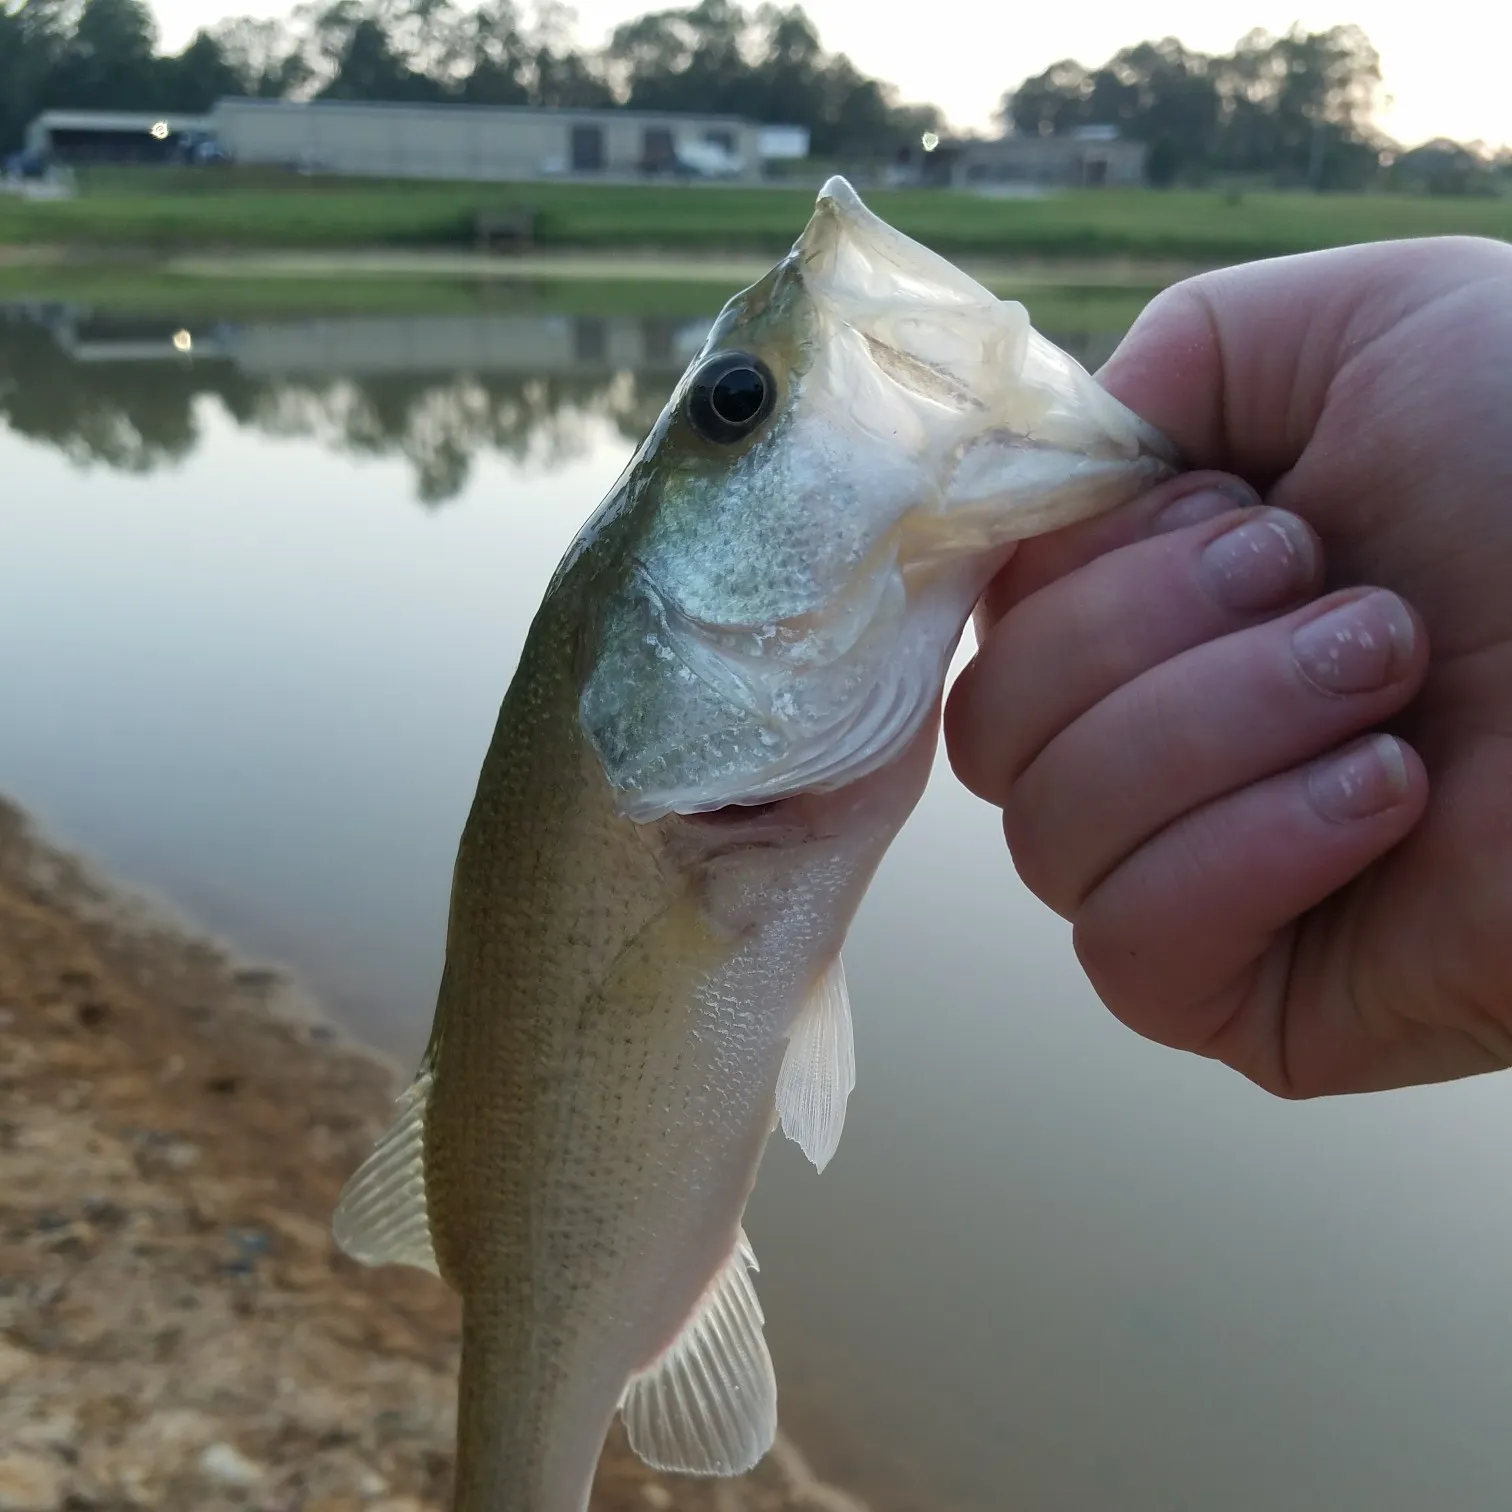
(1209, 722)
(1066, 647)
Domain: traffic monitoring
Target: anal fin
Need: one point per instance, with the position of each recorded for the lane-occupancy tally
(708, 1405)
(381, 1218)
(819, 1070)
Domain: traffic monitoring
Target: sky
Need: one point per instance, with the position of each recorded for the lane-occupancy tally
(1444, 64)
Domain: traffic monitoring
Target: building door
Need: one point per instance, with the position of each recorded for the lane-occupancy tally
(656, 149)
(1095, 172)
(587, 149)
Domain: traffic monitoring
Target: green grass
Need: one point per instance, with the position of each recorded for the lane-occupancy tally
(165, 292)
(160, 292)
(156, 210)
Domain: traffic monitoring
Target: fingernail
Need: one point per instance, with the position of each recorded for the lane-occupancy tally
(1357, 647)
(1205, 504)
(1367, 779)
(1261, 563)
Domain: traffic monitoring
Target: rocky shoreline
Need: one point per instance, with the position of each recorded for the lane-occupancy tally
(177, 1329)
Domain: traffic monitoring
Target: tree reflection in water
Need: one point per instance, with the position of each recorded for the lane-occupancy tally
(536, 389)
(435, 390)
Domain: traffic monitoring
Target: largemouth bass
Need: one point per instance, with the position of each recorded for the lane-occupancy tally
(726, 707)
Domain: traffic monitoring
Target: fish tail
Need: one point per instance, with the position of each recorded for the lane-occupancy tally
(511, 1454)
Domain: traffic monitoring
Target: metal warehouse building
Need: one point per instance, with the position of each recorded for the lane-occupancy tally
(476, 142)
(429, 141)
(113, 136)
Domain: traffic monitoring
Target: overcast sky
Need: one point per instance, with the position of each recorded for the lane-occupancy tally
(1445, 64)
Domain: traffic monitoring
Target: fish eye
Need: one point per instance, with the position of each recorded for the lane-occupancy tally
(731, 394)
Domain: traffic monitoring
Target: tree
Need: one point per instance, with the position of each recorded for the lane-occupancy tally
(197, 77)
(109, 61)
(367, 51)
(1296, 107)
(493, 56)
(1051, 103)
(789, 63)
(1299, 106)
(500, 58)
(566, 80)
(710, 56)
(715, 57)
(264, 57)
(33, 38)
(689, 59)
(1169, 101)
(1445, 167)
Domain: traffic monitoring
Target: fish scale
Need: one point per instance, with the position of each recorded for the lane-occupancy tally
(725, 709)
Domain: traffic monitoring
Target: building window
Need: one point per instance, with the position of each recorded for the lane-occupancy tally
(656, 149)
(587, 149)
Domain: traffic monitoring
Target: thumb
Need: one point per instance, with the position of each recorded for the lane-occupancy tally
(1237, 367)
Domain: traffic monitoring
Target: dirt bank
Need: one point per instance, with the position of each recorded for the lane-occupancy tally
(177, 1329)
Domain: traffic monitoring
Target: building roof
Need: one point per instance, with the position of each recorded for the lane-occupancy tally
(118, 120)
(1045, 146)
(520, 112)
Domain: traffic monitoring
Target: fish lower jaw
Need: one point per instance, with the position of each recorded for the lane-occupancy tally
(734, 813)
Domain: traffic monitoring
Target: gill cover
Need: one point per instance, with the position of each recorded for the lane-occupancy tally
(794, 595)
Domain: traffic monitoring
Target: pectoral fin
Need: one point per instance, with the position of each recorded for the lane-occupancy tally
(708, 1405)
(381, 1218)
(819, 1071)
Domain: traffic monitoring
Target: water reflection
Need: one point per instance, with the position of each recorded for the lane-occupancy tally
(129, 392)
(1052, 1267)
(434, 390)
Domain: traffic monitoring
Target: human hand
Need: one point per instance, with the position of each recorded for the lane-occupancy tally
(1179, 731)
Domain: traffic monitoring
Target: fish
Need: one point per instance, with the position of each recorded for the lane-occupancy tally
(726, 706)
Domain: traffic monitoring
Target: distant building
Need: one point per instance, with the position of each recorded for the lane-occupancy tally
(428, 141)
(1442, 166)
(115, 136)
(1092, 157)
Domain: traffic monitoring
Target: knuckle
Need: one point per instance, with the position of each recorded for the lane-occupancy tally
(973, 739)
(1038, 861)
(1109, 954)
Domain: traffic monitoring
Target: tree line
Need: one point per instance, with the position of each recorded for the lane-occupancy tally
(1292, 109)
(713, 56)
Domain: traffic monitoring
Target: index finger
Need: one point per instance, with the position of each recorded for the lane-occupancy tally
(1185, 500)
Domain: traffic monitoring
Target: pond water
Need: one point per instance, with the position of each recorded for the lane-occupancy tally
(258, 604)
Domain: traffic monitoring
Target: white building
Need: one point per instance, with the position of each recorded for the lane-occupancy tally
(429, 141)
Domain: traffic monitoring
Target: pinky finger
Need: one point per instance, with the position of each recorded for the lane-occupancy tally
(1170, 938)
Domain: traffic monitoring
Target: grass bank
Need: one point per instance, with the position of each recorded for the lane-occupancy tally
(175, 211)
(222, 290)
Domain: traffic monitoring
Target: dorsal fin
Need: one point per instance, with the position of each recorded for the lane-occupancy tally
(708, 1405)
(381, 1218)
(819, 1070)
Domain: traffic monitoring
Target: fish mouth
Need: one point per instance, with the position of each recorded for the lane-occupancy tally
(734, 813)
(848, 253)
